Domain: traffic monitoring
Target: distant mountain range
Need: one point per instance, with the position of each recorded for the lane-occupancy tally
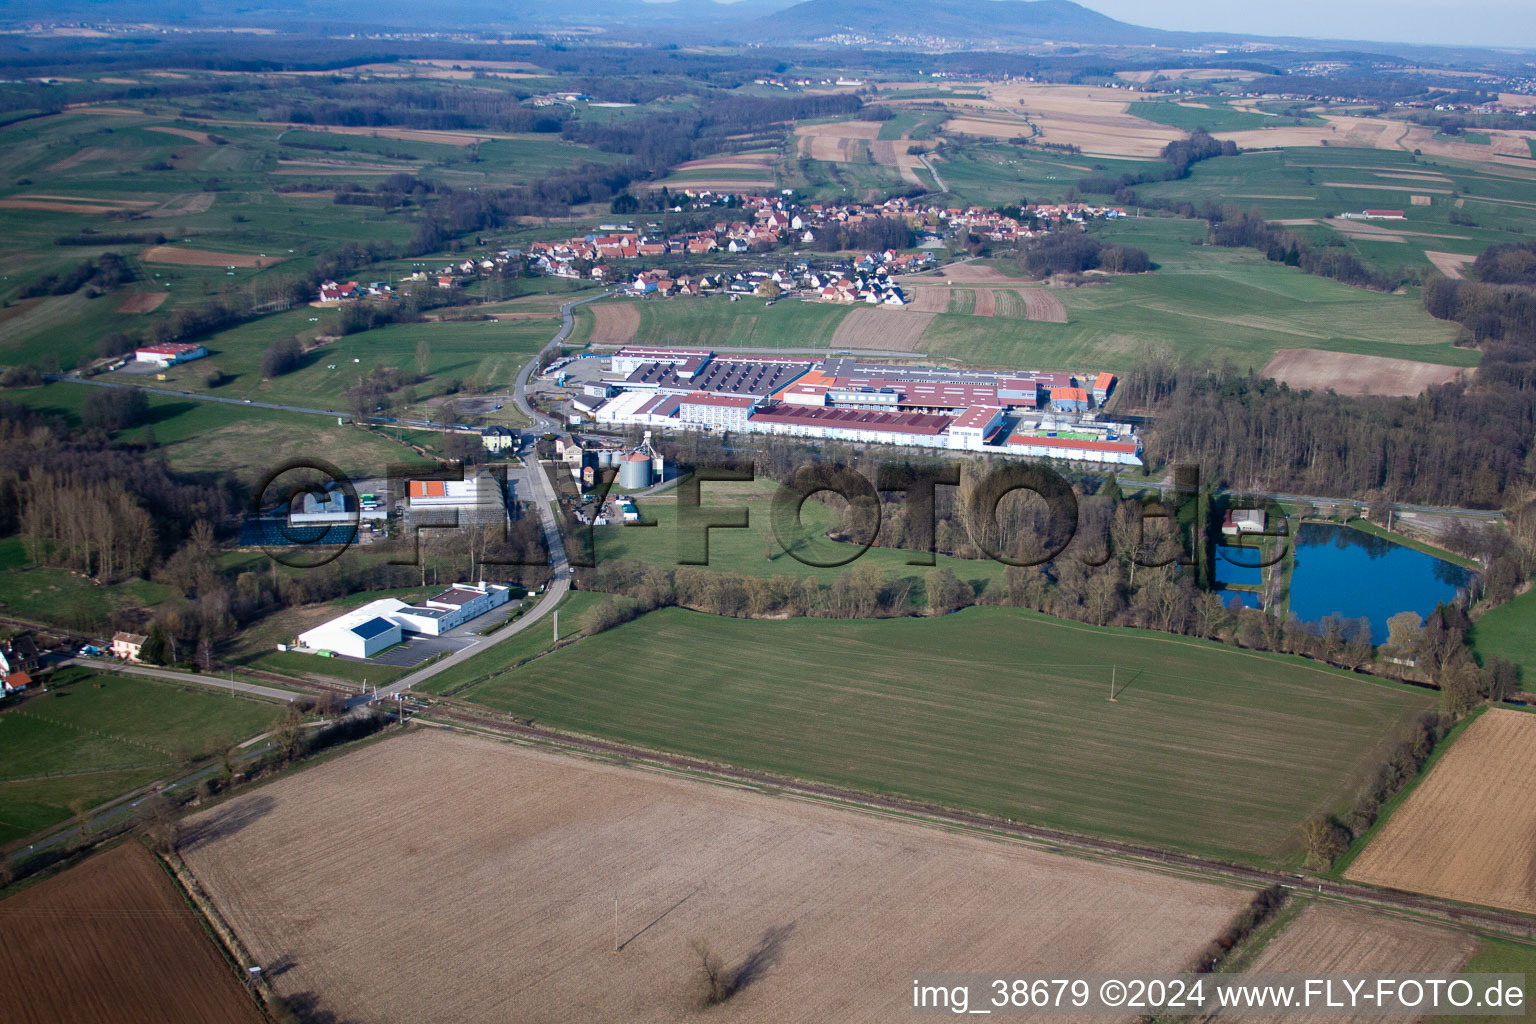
(919, 24)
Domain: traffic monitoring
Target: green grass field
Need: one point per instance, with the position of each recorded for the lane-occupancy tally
(92, 737)
(1509, 631)
(1501, 956)
(1204, 304)
(1212, 117)
(745, 551)
(43, 593)
(992, 709)
(532, 642)
(717, 322)
(209, 437)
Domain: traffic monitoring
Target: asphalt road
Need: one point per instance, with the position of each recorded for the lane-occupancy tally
(109, 664)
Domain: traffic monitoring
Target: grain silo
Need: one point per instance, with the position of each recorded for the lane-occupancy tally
(635, 471)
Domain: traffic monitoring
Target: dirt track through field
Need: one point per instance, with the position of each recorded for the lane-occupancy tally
(186, 133)
(1351, 374)
(112, 941)
(204, 258)
(508, 860)
(897, 330)
(1468, 832)
(1335, 940)
(615, 322)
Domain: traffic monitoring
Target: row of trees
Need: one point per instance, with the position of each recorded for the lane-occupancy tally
(1235, 228)
(1070, 252)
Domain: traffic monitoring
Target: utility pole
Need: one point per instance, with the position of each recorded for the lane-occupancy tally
(1113, 669)
(615, 922)
(557, 625)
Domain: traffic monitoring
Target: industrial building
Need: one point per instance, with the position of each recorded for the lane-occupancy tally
(479, 499)
(1029, 413)
(379, 625)
(169, 354)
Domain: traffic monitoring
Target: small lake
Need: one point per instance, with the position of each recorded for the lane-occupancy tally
(1343, 571)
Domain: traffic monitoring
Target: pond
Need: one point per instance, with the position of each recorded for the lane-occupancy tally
(1346, 572)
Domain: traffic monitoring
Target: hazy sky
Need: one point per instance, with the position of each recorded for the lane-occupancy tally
(1480, 22)
(1446, 22)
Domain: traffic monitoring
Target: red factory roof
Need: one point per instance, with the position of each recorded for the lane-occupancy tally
(977, 416)
(1069, 395)
(1385, 213)
(174, 348)
(647, 352)
(854, 419)
(713, 398)
(429, 488)
(1104, 381)
(1127, 447)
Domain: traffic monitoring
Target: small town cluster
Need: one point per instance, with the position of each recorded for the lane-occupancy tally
(1044, 415)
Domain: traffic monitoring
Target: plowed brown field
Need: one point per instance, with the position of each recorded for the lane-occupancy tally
(1350, 374)
(143, 302)
(443, 877)
(204, 258)
(615, 322)
(896, 330)
(1468, 832)
(1334, 940)
(113, 941)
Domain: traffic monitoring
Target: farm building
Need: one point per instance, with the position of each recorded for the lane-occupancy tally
(1243, 520)
(360, 633)
(170, 354)
(127, 645)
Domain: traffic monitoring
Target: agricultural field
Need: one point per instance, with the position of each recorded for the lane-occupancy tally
(93, 737)
(1203, 304)
(575, 610)
(1351, 374)
(1464, 833)
(1328, 939)
(513, 852)
(113, 941)
(1213, 116)
(1208, 748)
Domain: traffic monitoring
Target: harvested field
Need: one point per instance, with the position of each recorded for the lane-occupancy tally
(757, 161)
(186, 133)
(81, 156)
(1351, 374)
(929, 298)
(1419, 200)
(986, 303)
(898, 330)
(615, 323)
(1094, 119)
(142, 302)
(113, 941)
(204, 258)
(1450, 264)
(980, 273)
(55, 207)
(1042, 304)
(704, 184)
(514, 857)
(1468, 832)
(1388, 188)
(1326, 939)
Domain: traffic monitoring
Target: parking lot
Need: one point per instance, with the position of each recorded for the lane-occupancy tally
(417, 648)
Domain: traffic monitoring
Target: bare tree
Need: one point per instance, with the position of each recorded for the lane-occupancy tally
(715, 986)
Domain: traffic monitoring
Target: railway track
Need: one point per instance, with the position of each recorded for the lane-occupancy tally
(1509, 923)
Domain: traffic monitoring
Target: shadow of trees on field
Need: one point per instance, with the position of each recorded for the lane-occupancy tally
(226, 821)
(764, 955)
(305, 1006)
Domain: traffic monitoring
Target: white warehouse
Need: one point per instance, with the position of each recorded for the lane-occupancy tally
(377, 625)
